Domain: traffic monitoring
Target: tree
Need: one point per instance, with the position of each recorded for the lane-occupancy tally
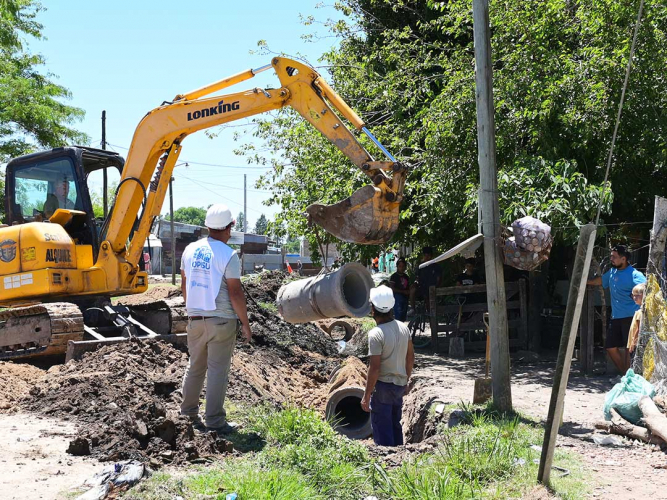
(262, 225)
(32, 114)
(240, 222)
(407, 69)
(190, 215)
(98, 202)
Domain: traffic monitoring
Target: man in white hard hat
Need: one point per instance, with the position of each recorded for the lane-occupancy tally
(391, 360)
(216, 306)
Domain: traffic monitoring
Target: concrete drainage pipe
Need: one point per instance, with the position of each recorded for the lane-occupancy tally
(346, 390)
(343, 292)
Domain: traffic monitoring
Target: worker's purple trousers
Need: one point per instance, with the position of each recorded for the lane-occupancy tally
(386, 410)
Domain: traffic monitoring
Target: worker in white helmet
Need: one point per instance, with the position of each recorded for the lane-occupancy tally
(216, 307)
(392, 358)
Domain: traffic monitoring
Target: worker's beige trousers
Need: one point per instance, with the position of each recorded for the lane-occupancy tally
(211, 345)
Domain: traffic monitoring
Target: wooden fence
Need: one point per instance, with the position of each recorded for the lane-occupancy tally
(464, 318)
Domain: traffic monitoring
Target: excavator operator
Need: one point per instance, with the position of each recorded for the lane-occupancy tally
(58, 198)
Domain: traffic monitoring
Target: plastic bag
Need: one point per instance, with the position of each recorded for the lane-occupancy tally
(624, 397)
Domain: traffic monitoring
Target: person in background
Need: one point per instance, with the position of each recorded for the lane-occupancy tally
(216, 307)
(635, 327)
(399, 282)
(392, 358)
(469, 275)
(375, 264)
(620, 280)
(299, 267)
(426, 278)
(382, 261)
(389, 258)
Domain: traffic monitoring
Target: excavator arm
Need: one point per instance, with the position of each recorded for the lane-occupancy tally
(369, 216)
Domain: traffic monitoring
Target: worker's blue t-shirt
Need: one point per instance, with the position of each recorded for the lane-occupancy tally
(620, 284)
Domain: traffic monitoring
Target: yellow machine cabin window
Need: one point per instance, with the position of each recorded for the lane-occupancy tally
(43, 188)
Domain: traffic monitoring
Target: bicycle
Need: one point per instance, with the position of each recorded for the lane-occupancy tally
(418, 326)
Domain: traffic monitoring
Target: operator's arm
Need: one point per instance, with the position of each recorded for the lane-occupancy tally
(237, 298)
(371, 380)
(184, 285)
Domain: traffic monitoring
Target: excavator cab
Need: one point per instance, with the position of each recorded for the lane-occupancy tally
(53, 186)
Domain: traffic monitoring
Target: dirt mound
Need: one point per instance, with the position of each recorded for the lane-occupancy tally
(153, 294)
(264, 287)
(16, 379)
(127, 397)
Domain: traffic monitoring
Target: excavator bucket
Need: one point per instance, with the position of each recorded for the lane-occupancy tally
(366, 217)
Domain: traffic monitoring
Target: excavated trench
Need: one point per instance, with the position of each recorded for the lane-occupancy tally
(125, 397)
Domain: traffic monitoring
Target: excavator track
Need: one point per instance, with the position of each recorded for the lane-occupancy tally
(41, 329)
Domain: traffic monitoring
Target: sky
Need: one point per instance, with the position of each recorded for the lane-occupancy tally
(127, 57)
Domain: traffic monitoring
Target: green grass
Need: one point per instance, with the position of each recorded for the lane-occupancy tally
(269, 306)
(367, 324)
(487, 456)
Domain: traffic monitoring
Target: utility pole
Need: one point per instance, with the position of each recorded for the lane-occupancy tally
(173, 236)
(245, 206)
(104, 170)
(488, 201)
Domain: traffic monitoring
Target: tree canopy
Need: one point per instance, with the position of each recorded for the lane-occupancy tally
(408, 69)
(261, 225)
(190, 215)
(32, 113)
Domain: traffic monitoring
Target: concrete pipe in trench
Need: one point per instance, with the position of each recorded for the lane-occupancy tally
(343, 292)
(346, 388)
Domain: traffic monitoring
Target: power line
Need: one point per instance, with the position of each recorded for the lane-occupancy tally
(203, 186)
(218, 165)
(224, 185)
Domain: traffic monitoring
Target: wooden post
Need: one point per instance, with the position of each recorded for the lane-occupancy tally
(587, 332)
(105, 181)
(434, 318)
(575, 300)
(488, 200)
(523, 312)
(536, 289)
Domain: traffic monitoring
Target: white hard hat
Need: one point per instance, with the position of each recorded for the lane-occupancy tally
(218, 216)
(382, 298)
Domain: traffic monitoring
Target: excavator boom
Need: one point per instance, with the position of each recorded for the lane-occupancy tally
(370, 216)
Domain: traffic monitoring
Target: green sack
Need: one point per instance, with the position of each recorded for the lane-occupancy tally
(624, 397)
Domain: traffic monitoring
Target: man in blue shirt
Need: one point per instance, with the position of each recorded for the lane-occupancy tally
(620, 280)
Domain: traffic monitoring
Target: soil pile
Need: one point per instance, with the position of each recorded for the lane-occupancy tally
(127, 396)
(16, 379)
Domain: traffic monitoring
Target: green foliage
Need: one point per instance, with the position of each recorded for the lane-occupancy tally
(550, 191)
(261, 225)
(32, 115)
(98, 202)
(292, 245)
(240, 222)
(487, 456)
(407, 69)
(299, 439)
(190, 215)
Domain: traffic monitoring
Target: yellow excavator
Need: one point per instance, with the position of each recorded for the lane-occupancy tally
(59, 265)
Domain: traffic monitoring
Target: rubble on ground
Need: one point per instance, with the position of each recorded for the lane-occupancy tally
(16, 379)
(127, 396)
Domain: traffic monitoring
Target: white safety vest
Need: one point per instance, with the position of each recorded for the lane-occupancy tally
(204, 263)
